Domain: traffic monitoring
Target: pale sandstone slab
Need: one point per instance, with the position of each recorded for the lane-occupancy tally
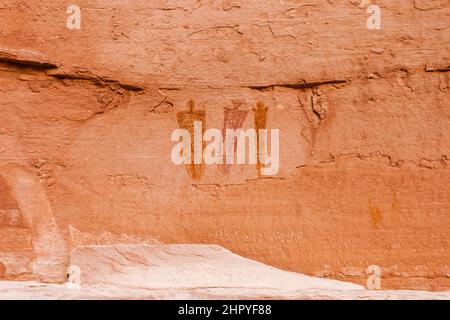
(188, 267)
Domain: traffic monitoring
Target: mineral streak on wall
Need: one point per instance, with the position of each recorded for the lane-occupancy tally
(86, 118)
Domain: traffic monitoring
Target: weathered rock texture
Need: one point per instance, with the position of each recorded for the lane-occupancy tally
(86, 118)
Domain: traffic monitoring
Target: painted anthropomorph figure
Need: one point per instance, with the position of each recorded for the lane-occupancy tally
(260, 117)
(186, 120)
(234, 118)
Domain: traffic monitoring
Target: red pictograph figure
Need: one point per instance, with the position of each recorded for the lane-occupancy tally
(186, 120)
(234, 118)
(260, 118)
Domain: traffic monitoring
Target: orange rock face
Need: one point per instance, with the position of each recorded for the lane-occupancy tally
(86, 118)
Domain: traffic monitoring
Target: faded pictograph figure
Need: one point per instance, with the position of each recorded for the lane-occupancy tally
(319, 104)
(314, 108)
(234, 118)
(186, 120)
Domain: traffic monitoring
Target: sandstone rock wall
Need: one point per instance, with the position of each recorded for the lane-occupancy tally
(363, 117)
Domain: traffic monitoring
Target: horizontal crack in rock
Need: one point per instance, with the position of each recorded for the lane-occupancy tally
(13, 59)
(25, 59)
(89, 76)
(420, 162)
(298, 85)
(438, 69)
